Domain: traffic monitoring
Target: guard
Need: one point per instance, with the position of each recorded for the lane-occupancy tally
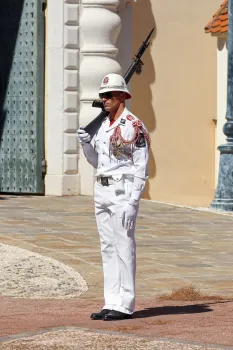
(119, 153)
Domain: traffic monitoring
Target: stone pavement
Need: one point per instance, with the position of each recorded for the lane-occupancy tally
(176, 247)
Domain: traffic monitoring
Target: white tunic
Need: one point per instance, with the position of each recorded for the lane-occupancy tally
(131, 160)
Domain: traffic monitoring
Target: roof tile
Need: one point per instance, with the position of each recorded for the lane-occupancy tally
(219, 22)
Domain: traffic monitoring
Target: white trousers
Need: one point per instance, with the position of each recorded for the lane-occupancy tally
(118, 248)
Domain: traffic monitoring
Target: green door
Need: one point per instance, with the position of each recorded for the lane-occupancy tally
(21, 96)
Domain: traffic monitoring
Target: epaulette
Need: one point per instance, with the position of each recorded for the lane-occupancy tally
(130, 117)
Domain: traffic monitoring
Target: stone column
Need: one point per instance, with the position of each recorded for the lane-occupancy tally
(222, 95)
(99, 28)
(62, 98)
(224, 194)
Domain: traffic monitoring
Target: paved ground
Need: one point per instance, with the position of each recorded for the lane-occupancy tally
(176, 247)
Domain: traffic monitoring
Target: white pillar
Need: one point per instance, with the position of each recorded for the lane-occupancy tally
(99, 29)
(62, 97)
(124, 42)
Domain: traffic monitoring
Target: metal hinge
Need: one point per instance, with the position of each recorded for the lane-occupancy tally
(44, 5)
(44, 167)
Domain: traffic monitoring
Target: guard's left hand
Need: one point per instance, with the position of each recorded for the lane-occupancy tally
(83, 136)
(129, 216)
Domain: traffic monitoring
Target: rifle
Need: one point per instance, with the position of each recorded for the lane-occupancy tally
(136, 66)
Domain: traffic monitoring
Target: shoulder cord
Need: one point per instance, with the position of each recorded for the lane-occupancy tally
(137, 129)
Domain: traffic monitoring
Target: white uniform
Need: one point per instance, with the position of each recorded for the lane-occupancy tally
(120, 153)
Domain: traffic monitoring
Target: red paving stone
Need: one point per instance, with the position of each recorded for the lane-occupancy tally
(205, 322)
(176, 247)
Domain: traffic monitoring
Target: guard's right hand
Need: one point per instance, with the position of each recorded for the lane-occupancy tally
(83, 136)
(129, 215)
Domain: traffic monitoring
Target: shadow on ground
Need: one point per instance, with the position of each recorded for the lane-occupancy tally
(172, 310)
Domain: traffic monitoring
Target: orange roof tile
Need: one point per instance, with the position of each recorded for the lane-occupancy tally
(219, 22)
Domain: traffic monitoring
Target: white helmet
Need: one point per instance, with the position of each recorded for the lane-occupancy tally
(114, 82)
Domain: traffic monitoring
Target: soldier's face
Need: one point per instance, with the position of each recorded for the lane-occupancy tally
(112, 100)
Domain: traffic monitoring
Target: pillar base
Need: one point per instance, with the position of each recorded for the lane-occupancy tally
(62, 185)
(222, 204)
(224, 194)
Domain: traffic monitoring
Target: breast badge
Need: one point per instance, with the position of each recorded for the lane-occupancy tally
(141, 141)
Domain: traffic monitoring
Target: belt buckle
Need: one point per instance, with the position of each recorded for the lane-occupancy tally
(104, 181)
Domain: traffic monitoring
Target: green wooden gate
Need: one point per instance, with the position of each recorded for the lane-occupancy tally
(21, 96)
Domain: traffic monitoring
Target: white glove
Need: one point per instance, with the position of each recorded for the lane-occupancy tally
(130, 210)
(129, 216)
(83, 136)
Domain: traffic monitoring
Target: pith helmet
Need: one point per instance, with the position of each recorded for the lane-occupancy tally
(114, 82)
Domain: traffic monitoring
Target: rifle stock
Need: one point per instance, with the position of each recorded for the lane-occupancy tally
(95, 124)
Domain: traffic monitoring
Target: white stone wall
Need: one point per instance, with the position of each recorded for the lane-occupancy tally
(81, 49)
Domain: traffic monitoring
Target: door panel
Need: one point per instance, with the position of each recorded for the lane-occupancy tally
(21, 96)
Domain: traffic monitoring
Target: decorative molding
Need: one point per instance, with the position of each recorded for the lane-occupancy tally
(104, 3)
(71, 83)
(63, 100)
